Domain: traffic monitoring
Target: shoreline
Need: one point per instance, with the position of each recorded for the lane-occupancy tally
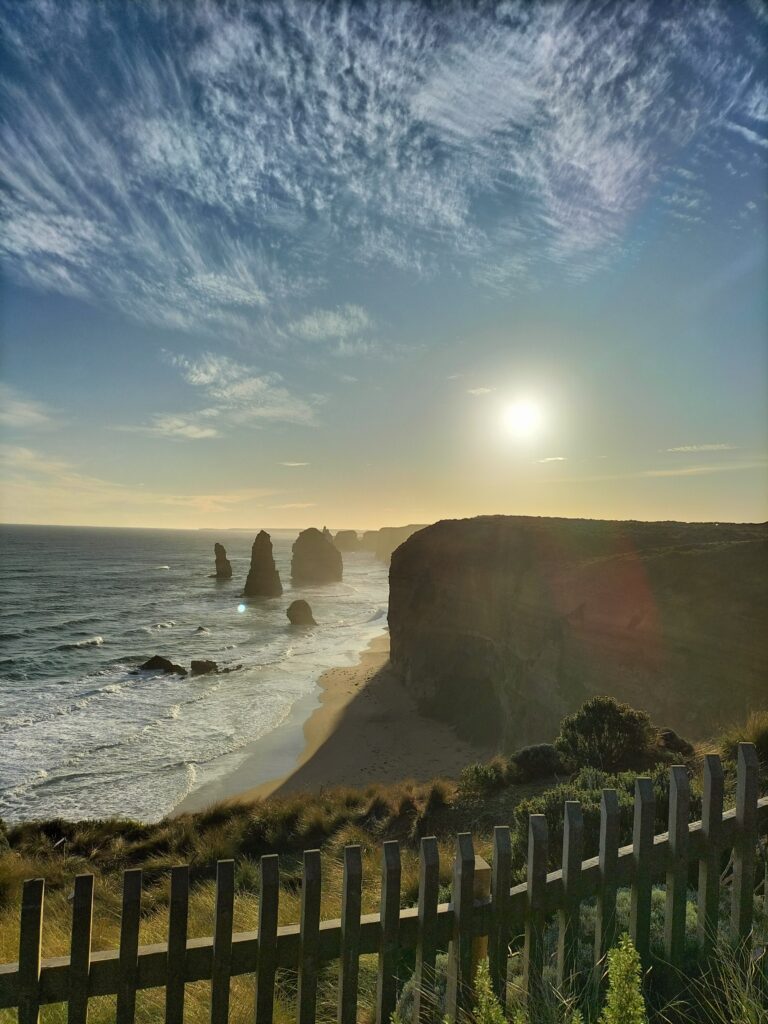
(363, 728)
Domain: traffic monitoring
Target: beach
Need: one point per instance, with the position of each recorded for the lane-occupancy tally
(366, 729)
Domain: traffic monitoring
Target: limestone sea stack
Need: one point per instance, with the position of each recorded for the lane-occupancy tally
(263, 578)
(316, 559)
(223, 564)
(347, 540)
(300, 614)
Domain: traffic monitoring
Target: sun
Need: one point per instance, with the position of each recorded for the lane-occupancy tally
(523, 418)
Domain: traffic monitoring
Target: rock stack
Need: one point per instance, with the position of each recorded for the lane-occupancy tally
(223, 564)
(347, 540)
(263, 578)
(316, 559)
(300, 614)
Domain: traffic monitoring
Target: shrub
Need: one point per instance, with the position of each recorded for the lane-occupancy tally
(487, 1009)
(624, 1003)
(755, 730)
(481, 777)
(538, 761)
(608, 735)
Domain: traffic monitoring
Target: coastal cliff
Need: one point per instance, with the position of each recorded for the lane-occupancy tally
(504, 624)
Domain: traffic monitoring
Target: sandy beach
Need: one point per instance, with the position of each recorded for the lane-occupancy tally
(366, 729)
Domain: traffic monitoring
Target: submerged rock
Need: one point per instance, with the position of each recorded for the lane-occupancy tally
(202, 629)
(315, 558)
(157, 663)
(223, 564)
(347, 540)
(263, 578)
(203, 667)
(300, 614)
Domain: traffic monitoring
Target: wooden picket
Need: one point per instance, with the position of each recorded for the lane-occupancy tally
(485, 917)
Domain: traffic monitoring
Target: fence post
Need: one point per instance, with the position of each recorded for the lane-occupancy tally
(498, 941)
(709, 863)
(129, 947)
(481, 893)
(426, 943)
(177, 945)
(309, 938)
(386, 991)
(568, 916)
(266, 954)
(349, 952)
(459, 982)
(744, 845)
(642, 852)
(677, 869)
(222, 941)
(608, 863)
(533, 951)
(30, 939)
(80, 949)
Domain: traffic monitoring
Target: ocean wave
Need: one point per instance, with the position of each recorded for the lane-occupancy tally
(91, 641)
(162, 567)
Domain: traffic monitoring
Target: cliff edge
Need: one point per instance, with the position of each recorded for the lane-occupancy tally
(504, 624)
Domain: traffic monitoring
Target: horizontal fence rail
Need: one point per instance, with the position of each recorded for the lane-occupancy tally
(486, 915)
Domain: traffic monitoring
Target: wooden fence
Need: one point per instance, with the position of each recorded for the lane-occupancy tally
(486, 915)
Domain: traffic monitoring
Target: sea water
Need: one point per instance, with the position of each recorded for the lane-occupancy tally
(81, 736)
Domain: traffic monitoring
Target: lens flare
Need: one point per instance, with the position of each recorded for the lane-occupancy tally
(523, 418)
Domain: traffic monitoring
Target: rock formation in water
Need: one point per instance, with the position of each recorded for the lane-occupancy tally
(159, 664)
(369, 540)
(203, 667)
(347, 540)
(223, 565)
(384, 541)
(300, 614)
(502, 625)
(315, 558)
(263, 578)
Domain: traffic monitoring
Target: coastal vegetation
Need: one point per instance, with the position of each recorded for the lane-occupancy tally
(503, 791)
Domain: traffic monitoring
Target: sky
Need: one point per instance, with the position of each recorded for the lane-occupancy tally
(364, 264)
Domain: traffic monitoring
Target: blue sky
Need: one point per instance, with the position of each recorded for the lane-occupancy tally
(292, 263)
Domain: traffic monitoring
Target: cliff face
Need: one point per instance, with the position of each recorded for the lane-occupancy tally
(315, 558)
(504, 624)
(263, 578)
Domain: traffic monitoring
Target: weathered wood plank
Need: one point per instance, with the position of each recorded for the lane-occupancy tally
(30, 942)
(309, 941)
(533, 951)
(221, 969)
(177, 945)
(349, 959)
(569, 914)
(498, 940)
(677, 867)
(424, 1008)
(744, 845)
(642, 850)
(127, 982)
(608, 861)
(386, 987)
(80, 950)
(266, 958)
(709, 862)
(458, 989)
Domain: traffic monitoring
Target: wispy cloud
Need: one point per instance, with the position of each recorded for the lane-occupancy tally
(479, 391)
(719, 446)
(19, 411)
(296, 504)
(207, 166)
(552, 458)
(294, 464)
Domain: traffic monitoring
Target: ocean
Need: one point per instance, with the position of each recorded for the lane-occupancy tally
(82, 737)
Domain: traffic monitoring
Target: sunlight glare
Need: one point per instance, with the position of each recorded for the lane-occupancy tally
(523, 418)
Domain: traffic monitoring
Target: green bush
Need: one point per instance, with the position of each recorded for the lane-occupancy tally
(482, 777)
(624, 1003)
(608, 735)
(539, 761)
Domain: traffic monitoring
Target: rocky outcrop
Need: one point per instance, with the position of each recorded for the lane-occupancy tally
(263, 578)
(384, 541)
(300, 614)
(223, 565)
(203, 667)
(347, 540)
(159, 664)
(315, 558)
(369, 540)
(502, 625)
